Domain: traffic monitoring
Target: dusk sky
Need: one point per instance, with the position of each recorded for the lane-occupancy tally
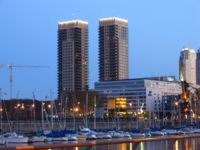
(158, 30)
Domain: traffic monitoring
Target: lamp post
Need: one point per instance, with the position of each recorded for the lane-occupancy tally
(179, 112)
(137, 118)
(163, 109)
(95, 106)
(175, 112)
(1, 111)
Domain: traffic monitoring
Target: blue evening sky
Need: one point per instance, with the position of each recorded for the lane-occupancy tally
(28, 36)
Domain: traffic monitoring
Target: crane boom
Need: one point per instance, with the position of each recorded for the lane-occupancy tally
(11, 66)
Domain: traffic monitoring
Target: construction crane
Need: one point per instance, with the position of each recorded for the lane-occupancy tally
(11, 66)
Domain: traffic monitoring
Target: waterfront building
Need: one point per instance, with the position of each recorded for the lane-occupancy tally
(143, 94)
(170, 104)
(113, 49)
(187, 66)
(198, 67)
(72, 56)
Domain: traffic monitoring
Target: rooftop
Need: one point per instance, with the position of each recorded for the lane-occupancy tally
(188, 49)
(113, 19)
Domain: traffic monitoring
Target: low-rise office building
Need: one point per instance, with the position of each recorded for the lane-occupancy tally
(140, 94)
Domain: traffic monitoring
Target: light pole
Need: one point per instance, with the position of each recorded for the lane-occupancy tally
(137, 118)
(163, 109)
(1, 111)
(179, 112)
(175, 108)
(95, 106)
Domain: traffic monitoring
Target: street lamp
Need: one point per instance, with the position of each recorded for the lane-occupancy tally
(175, 111)
(76, 109)
(49, 106)
(33, 105)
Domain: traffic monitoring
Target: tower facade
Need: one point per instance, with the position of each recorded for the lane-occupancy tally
(72, 56)
(113, 49)
(187, 66)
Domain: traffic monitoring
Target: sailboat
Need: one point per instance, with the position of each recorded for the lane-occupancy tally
(11, 137)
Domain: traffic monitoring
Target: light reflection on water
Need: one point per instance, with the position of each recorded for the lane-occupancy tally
(185, 144)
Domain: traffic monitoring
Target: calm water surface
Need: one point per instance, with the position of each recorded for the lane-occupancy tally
(185, 144)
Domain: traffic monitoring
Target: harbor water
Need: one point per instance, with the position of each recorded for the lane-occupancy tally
(184, 144)
(181, 144)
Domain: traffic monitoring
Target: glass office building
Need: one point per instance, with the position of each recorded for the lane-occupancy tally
(140, 93)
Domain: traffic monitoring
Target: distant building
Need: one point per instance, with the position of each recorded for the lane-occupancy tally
(140, 93)
(187, 66)
(72, 56)
(113, 49)
(198, 67)
(170, 104)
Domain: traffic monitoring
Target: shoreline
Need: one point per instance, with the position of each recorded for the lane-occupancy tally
(97, 142)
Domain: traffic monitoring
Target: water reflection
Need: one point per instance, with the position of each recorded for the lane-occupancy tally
(176, 145)
(184, 144)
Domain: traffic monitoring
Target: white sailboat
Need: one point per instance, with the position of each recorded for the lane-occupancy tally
(157, 133)
(12, 137)
(37, 139)
(170, 132)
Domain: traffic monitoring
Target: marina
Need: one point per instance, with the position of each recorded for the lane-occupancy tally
(159, 142)
(99, 75)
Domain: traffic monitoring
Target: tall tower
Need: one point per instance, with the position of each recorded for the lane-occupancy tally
(198, 67)
(72, 56)
(113, 49)
(187, 66)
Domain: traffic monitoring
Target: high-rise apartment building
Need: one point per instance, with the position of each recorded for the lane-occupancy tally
(187, 66)
(198, 67)
(72, 56)
(113, 49)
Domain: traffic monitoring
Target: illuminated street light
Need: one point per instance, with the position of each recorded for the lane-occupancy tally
(22, 107)
(33, 105)
(76, 109)
(1, 109)
(18, 105)
(49, 106)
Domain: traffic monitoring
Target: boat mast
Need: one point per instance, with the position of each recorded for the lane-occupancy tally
(95, 106)
(42, 111)
(33, 109)
(86, 110)
(1, 110)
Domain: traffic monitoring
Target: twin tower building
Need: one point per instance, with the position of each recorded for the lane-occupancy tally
(73, 53)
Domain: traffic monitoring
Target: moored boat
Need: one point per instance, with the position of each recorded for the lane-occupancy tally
(91, 137)
(72, 137)
(37, 139)
(103, 136)
(12, 137)
(170, 131)
(157, 133)
(137, 135)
